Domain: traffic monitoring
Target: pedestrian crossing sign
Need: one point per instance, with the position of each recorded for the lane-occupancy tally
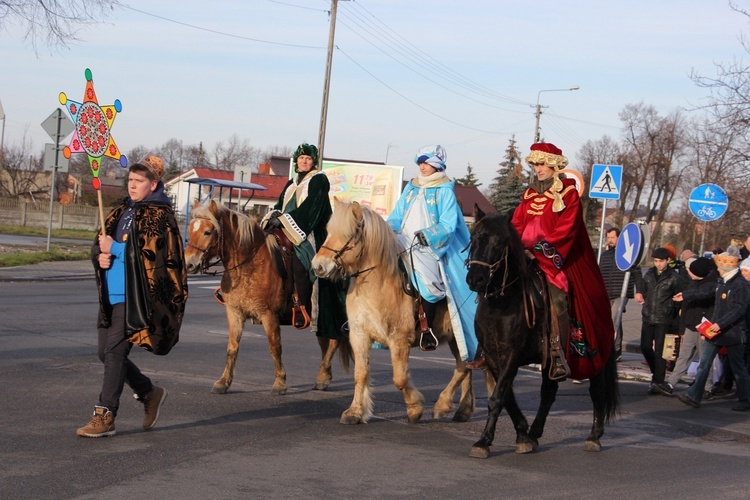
(606, 181)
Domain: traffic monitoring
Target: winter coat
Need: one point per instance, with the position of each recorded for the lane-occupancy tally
(730, 307)
(658, 290)
(155, 275)
(693, 311)
(613, 277)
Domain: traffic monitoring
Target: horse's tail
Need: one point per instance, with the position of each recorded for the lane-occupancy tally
(346, 354)
(611, 389)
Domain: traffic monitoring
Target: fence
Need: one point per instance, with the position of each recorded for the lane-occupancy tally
(15, 212)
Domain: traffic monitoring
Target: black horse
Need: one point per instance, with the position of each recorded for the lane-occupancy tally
(510, 322)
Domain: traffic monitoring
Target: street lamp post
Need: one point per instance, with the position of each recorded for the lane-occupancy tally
(388, 150)
(539, 107)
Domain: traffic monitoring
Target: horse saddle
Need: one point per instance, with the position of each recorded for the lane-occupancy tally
(300, 318)
(406, 283)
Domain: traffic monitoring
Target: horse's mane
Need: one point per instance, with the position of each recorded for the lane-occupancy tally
(379, 243)
(243, 224)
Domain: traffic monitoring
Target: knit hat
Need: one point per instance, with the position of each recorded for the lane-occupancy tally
(435, 156)
(660, 253)
(745, 264)
(728, 260)
(700, 266)
(546, 153)
(307, 150)
(153, 164)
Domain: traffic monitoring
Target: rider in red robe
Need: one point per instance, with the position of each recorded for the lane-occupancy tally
(550, 222)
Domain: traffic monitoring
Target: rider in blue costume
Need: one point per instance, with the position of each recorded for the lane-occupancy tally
(428, 220)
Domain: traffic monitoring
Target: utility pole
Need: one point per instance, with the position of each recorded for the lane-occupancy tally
(327, 83)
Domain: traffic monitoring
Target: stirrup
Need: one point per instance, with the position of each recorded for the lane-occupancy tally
(558, 368)
(218, 296)
(427, 340)
(300, 318)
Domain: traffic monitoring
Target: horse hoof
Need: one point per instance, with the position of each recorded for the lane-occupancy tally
(522, 448)
(479, 452)
(592, 446)
(278, 392)
(461, 416)
(350, 419)
(322, 386)
(219, 389)
(438, 415)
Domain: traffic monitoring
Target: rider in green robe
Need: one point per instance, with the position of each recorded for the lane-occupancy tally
(302, 212)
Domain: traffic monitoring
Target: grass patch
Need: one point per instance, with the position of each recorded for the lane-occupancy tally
(28, 258)
(75, 234)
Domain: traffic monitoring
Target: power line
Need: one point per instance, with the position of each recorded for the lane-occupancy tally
(219, 32)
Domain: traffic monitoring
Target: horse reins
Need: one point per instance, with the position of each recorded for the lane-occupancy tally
(530, 319)
(205, 265)
(349, 245)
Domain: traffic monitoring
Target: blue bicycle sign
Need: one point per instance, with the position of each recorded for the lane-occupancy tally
(708, 202)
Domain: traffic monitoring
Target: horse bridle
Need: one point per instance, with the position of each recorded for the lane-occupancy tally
(204, 251)
(527, 300)
(493, 268)
(355, 238)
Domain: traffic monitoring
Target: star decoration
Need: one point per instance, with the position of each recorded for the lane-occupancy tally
(93, 127)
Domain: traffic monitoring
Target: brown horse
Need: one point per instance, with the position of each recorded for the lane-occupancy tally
(251, 285)
(362, 246)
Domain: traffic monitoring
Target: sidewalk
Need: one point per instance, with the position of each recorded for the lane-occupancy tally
(629, 367)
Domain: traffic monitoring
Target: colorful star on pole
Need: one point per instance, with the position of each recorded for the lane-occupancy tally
(93, 125)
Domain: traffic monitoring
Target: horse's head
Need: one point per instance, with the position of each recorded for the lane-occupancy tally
(343, 246)
(203, 238)
(496, 257)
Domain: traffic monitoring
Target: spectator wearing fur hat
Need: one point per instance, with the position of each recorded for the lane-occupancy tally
(729, 326)
(702, 276)
(660, 284)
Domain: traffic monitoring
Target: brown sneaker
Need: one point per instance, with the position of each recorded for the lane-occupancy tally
(102, 424)
(152, 403)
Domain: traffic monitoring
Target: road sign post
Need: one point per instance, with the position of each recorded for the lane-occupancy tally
(628, 255)
(57, 126)
(708, 202)
(605, 184)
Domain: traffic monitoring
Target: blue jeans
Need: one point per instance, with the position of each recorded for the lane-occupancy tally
(736, 361)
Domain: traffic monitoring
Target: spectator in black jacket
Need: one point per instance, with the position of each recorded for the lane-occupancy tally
(703, 276)
(731, 301)
(613, 280)
(659, 285)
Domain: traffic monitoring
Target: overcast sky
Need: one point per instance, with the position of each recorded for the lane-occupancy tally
(465, 74)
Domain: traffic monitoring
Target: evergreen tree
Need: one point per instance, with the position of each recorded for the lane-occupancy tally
(469, 180)
(511, 180)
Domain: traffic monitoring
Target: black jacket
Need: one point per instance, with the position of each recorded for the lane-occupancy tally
(613, 277)
(730, 306)
(658, 290)
(693, 311)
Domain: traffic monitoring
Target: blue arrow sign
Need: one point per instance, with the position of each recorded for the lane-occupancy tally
(708, 202)
(629, 247)
(605, 181)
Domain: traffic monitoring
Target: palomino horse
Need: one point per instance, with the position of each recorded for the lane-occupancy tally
(362, 246)
(251, 286)
(511, 315)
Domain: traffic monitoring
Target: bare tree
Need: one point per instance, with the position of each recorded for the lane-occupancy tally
(171, 153)
(56, 23)
(20, 171)
(236, 152)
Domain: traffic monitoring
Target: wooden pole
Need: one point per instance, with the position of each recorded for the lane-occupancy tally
(101, 209)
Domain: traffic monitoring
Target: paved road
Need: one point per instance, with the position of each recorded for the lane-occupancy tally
(250, 444)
